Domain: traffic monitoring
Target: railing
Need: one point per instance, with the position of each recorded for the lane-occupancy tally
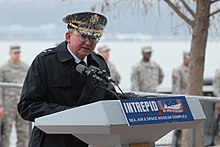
(202, 98)
(10, 85)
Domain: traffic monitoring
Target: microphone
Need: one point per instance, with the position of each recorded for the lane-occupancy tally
(82, 69)
(89, 72)
(101, 73)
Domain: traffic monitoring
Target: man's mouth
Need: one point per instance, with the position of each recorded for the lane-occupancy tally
(86, 49)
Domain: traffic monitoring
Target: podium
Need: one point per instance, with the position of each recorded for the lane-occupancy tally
(103, 124)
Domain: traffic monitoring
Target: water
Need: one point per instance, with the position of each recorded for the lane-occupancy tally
(125, 54)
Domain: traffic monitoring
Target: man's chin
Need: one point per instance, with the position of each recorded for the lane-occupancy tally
(84, 54)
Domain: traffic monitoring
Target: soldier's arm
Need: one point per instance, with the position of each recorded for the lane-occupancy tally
(116, 76)
(161, 75)
(2, 112)
(216, 88)
(33, 102)
(176, 78)
(135, 80)
(216, 83)
(1, 89)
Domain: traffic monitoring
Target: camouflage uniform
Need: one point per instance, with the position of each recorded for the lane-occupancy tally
(104, 51)
(114, 73)
(13, 73)
(179, 77)
(216, 83)
(146, 76)
(216, 90)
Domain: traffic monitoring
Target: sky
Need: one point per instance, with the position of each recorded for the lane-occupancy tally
(125, 18)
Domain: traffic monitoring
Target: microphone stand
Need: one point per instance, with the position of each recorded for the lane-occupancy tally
(112, 92)
(118, 87)
(97, 84)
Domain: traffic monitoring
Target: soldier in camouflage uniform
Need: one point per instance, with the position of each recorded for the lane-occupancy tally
(105, 52)
(14, 71)
(216, 90)
(179, 77)
(216, 83)
(1, 117)
(147, 74)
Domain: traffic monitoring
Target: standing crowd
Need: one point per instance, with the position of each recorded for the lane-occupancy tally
(52, 83)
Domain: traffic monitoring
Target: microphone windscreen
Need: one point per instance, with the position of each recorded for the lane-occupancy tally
(93, 67)
(81, 68)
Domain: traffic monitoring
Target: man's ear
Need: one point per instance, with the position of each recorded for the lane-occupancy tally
(68, 36)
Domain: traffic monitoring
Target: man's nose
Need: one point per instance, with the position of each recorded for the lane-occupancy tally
(88, 41)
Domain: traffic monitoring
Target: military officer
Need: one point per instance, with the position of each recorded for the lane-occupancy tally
(146, 74)
(14, 71)
(180, 75)
(179, 78)
(216, 89)
(216, 83)
(105, 52)
(53, 83)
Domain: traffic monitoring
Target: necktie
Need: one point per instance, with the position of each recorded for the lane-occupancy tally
(82, 62)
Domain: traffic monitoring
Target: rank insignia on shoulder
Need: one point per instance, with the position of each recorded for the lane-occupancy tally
(49, 51)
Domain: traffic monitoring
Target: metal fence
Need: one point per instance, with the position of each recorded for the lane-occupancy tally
(201, 98)
(10, 85)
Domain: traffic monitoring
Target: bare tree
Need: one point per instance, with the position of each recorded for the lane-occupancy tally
(197, 14)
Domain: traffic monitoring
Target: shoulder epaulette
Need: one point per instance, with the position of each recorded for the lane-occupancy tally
(48, 51)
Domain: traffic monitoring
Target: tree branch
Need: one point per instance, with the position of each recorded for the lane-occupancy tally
(215, 12)
(188, 8)
(214, 1)
(179, 13)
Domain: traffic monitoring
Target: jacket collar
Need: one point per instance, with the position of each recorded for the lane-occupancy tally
(62, 52)
(93, 59)
(64, 55)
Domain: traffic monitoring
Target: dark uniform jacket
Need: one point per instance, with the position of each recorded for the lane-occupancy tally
(53, 84)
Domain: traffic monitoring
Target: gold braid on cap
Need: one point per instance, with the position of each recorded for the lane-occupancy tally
(72, 25)
(87, 31)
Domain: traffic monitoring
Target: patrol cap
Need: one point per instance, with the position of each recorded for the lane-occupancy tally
(104, 48)
(146, 49)
(186, 54)
(88, 23)
(15, 48)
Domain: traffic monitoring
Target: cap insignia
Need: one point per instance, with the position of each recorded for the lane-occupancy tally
(94, 18)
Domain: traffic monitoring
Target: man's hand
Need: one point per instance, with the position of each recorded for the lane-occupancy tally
(2, 112)
(129, 95)
(217, 106)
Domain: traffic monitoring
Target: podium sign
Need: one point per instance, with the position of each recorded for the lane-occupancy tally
(156, 110)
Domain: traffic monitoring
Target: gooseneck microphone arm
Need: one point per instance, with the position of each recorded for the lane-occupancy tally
(109, 90)
(104, 75)
(91, 73)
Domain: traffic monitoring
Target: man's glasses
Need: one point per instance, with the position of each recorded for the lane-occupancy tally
(16, 53)
(85, 38)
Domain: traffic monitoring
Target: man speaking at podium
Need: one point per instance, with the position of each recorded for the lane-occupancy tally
(53, 83)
